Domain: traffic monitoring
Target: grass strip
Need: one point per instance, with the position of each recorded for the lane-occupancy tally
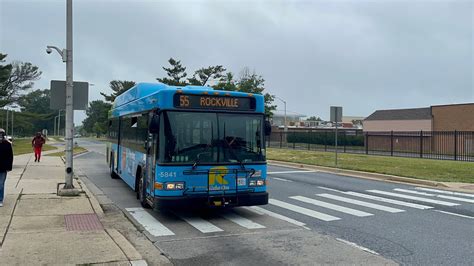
(427, 169)
(23, 146)
(75, 151)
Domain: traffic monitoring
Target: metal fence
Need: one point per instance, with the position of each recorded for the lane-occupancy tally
(441, 145)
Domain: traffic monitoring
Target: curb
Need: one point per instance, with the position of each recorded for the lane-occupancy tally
(360, 174)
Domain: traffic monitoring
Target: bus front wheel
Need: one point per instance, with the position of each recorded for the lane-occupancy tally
(141, 191)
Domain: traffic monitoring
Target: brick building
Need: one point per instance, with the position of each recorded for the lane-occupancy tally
(446, 129)
(450, 117)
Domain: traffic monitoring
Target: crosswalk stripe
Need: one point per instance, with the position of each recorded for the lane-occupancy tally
(392, 201)
(413, 192)
(455, 214)
(361, 203)
(455, 198)
(150, 223)
(260, 210)
(304, 211)
(445, 192)
(244, 222)
(439, 202)
(200, 224)
(439, 196)
(332, 206)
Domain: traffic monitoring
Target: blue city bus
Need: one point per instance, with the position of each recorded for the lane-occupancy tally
(189, 146)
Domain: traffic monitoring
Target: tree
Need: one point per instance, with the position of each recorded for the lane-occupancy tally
(36, 101)
(248, 82)
(176, 74)
(97, 117)
(203, 75)
(21, 78)
(5, 71)
(314, 118)
(118, 87)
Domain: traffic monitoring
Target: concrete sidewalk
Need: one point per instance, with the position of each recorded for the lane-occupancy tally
(39, 227)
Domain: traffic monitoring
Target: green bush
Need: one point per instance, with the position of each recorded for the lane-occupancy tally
(324, 138)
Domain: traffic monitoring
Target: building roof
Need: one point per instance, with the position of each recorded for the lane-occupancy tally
(401, 114)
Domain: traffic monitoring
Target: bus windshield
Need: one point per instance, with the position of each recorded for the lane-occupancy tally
(200, 138)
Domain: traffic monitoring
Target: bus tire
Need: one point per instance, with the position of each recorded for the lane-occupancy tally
(113, 175)
(141, 190)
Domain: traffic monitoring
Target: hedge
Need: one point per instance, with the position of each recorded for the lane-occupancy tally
(324, 138)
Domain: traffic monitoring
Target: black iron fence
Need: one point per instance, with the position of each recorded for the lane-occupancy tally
(442, 145)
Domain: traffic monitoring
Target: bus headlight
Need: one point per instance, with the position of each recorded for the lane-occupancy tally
(257, 183)
(174, 185)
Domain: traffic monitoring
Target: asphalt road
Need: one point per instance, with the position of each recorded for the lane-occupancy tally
(309, 217)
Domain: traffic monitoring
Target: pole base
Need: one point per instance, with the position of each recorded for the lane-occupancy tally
(68, 192)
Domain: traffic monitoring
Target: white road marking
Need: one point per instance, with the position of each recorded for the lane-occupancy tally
(79, 155)
(304, 211)
(392, 201)
(150, 223)
(291, 172)
(455, 214)
(413, 192)
(439, 196)
(282, 179)
(439, 202)
(331, 189)
(332, 206)
(357, 246)
(200, 224)
(263, 211)
(244, 222)
(361, 203)
(445, 192)
(455, 198)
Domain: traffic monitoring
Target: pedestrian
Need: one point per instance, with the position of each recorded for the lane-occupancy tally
(6, 161)
(37, 144)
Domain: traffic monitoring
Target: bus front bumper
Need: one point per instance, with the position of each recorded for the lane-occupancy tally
(196, 201)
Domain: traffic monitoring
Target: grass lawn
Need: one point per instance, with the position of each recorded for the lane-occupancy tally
(76, 150)
(23, 146)
(436, 170)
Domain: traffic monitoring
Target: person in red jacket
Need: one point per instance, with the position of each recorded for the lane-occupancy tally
(37, 144)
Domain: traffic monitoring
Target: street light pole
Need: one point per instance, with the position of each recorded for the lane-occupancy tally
(66, 55)
(284, 104)
(69, 100)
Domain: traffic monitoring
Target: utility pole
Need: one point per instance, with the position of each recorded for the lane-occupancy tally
(284, 104)
(69, 100)
(66, 54)
(6, 128)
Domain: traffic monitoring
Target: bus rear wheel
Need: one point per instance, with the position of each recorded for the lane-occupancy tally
(141, 191)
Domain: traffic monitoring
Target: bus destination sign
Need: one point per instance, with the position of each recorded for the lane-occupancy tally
(192, 101)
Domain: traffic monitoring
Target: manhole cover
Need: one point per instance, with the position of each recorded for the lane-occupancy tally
(82, 222)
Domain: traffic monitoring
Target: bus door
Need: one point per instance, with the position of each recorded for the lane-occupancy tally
(151, 151)
(151, 163)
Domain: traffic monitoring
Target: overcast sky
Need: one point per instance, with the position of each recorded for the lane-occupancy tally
(362, 55)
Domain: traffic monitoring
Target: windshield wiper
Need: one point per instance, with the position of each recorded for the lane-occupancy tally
(234, 154)
(197, 160)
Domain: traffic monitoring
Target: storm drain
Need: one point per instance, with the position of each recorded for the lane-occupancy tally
(82, 222)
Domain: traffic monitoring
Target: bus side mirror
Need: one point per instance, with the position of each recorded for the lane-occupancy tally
(154, 125)
(268, 128)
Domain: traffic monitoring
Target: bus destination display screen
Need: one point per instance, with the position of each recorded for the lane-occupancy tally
(214, 102)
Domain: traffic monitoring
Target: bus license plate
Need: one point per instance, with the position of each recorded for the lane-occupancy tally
(242, 181)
